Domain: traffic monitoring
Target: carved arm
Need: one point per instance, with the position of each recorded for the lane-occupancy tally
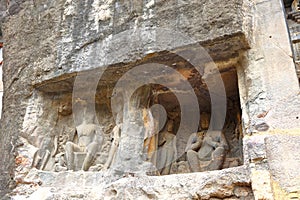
(194, 143)
(210, 141)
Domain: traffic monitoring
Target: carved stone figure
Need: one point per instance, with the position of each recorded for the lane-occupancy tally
(130, 158)
(295, 5)
(42, 155)
(208, 152)
(116, 132)
(195, 141)
(150, 137)
(167, 149)
(60, 163)
(90, 139)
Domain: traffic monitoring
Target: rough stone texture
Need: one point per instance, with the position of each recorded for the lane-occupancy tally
(217, 184)
(261, 184)
(284, 160)
(256, 158)
(270, 57)
(73, 36)
(200, 20)
(64, 44)
(218, 29)
(37, 28)
(274, 163)
(254, 148)
(285, 114)
(270, 99)
(1, 84)
(231, 183)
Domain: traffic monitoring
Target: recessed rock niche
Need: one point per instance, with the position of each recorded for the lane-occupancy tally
(100, 128)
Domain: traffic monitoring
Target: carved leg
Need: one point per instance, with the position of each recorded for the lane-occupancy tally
(168, 163)
(112, 152)
(193, 160)
(70, 149)
(88, 161)
(92, 150)
(45, 159)
(217, 159)
(152, 149)
(146, 148)
(166, 169)
(162, 157)
(36, 159)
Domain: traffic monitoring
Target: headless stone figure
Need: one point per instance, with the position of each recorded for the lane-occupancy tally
(211, 148)
(114, 146)
(167, 149)
(90, 139)
(42, 155)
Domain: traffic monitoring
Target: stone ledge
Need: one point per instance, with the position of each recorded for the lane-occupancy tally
(233, 183)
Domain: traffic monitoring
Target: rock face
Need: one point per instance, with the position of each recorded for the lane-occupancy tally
(286, 175)
(225, 184)
(213, 65)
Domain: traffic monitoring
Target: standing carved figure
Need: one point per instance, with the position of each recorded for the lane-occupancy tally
(295, 5)
(116, 132)
(150, 137)
(43, 154)
(167, 149)
(90, 140)
(211, 148)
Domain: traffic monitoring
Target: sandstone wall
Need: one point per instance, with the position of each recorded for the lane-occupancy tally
(49, 39)
(1, 88)
(269, 92)
(53, 40)
(23, 31)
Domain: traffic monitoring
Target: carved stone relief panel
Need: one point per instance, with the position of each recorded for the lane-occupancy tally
(137, 133)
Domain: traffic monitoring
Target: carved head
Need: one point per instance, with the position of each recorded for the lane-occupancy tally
(65, 109)
(170, 125)
(201, 134)
(204, 121)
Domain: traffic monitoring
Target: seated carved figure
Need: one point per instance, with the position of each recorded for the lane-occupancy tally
(90, 139)
(206, 151)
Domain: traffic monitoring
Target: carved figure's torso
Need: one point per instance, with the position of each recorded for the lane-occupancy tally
(86, 134)
(211, 141)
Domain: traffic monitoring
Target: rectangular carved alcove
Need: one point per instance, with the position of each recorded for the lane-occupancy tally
(70, 139)
(55, 114)
(40, 84)
(51, 122)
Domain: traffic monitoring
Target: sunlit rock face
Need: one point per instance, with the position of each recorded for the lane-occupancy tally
(152, 99)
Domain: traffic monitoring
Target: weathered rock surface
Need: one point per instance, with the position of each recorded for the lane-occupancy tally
(228, 184)
(268, 80)
(284, 160)
(47, 43)
(68, 36)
